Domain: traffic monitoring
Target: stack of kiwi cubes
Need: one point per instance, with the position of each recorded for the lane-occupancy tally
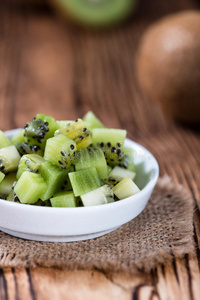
(66, 163)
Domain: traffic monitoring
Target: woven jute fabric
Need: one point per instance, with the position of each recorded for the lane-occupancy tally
(162, 231)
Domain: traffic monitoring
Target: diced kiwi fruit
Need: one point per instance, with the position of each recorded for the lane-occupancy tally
(55, 178)
(9, 159)
(111, 141)
(118, 173)
(60, 150)
(29, 162)
(80, 166)
(6, 184)
(92, 121)
(125, 188)
(30, 187)
(78, 132)
(63, 199)
(95, 13)
(92, 157)
(4, 140)
(41, 128)
(84, 181)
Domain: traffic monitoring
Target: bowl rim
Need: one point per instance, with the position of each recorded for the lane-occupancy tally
(149, 187)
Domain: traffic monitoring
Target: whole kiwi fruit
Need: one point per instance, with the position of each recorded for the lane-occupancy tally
(168, 65)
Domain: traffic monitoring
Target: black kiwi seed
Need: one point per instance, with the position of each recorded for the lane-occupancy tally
(62, 153)
(36, 148)
(81, 137)
(118, 152)
(101, 144)
(16, 199)
(65, 182)
(118, 145)
(41, 127)
(84, 129)
(41, 135)
(46, 129)
(76, 120)
(2, 168)
(113, 149)
(25, 126)
(46, 123)
(109, 144)
(60, 162)
(72, 146)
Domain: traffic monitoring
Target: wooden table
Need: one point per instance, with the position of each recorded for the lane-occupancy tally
(47, 66)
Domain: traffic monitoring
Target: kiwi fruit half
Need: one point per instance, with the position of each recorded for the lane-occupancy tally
(95, 13)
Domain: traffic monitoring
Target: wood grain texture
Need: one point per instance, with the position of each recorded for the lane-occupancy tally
(50, 67)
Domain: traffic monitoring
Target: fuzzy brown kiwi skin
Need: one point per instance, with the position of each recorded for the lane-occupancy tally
(168, 65)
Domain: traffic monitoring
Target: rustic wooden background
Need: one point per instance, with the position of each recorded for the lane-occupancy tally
(50, 67)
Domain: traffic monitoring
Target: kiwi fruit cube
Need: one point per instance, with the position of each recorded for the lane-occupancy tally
(55, 178)
(92, 157)
(4, 140)
(29, 162)
(60, 150)
(92, 121)
(30, 187)
(125, 188)
(63, 199)
(101, 195)
(84, 181)
(41, 128)
(108, 137)
(18, 137)
(118, 173)
(78, 132)
(9, 159)
(6, 184)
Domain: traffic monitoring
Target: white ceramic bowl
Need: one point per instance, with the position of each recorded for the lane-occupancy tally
(81, 223)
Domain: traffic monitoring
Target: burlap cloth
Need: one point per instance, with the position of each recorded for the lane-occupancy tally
(162, 231)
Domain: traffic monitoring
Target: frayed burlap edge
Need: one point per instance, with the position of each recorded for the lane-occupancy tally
(164, 230)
